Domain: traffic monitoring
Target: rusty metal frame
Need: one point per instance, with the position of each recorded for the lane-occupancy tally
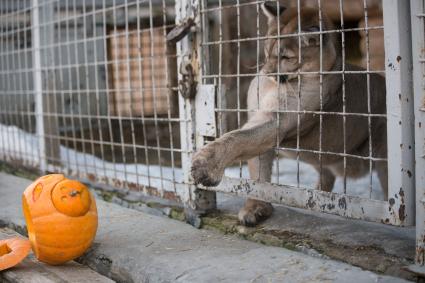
(189, 52)
(400, 114)
(315, 200)
(417, 8)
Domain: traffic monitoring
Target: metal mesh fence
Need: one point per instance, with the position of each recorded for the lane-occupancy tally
(88, 88)
(238, 43)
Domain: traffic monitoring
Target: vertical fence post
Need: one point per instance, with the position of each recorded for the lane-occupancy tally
(38, 82)
(418, 50)
(42, 16)
(400, 118)
(196, 201)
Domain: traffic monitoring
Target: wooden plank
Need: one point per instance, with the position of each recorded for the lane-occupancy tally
(30, 270)
(140, 80)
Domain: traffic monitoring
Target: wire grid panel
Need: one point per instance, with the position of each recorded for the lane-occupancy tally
(88, 88)
(16, 85)
(305, 83)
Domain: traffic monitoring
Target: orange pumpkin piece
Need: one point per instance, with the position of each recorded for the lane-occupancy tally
(61, 218)
(13, 251)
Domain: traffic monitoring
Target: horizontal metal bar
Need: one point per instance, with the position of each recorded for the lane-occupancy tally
(331, 153)
(100, 117)
(221, 7)
(315, 200)
(12, 5)
(128, 145)
(362, 72)
(262, 38)
(217, 76)
(307, 112)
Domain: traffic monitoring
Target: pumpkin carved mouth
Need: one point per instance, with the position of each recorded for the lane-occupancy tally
(4, 249)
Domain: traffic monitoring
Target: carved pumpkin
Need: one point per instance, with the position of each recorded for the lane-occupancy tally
(61, 218)
(13, 251)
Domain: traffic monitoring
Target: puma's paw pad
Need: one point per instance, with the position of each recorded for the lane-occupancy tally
(202, 172)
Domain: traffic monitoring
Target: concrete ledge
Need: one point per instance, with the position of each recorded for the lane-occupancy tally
(131, 246)
(374, 246)
(30, 270)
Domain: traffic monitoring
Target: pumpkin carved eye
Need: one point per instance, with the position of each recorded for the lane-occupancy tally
(71, 198)
(37, 191)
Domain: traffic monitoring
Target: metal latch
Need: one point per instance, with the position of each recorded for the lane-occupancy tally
(187, 85)
(180, 31)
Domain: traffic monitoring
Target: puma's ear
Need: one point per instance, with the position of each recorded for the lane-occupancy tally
(311, 39)
(272, 10)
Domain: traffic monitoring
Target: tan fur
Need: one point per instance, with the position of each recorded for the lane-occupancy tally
(255, 140)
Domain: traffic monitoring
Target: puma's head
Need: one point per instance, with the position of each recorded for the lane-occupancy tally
(293, 52)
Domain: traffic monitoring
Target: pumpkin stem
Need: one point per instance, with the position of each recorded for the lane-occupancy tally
(73, 193)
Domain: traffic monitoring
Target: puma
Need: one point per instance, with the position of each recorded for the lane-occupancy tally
(289, 82)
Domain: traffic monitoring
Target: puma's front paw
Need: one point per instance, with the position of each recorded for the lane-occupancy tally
(206, 167)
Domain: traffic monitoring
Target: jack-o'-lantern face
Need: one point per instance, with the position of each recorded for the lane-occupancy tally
(61, 218)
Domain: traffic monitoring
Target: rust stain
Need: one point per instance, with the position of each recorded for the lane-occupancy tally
(402, 208)
(342, 203)
(91, 177)
(401, 212)
(243, 187)
(133, 186)
(420, 250)
(311, 203)
(391, 201)
(171, 196)
(151, 191)
(420, 255)
(330, 206)
(398, 59)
